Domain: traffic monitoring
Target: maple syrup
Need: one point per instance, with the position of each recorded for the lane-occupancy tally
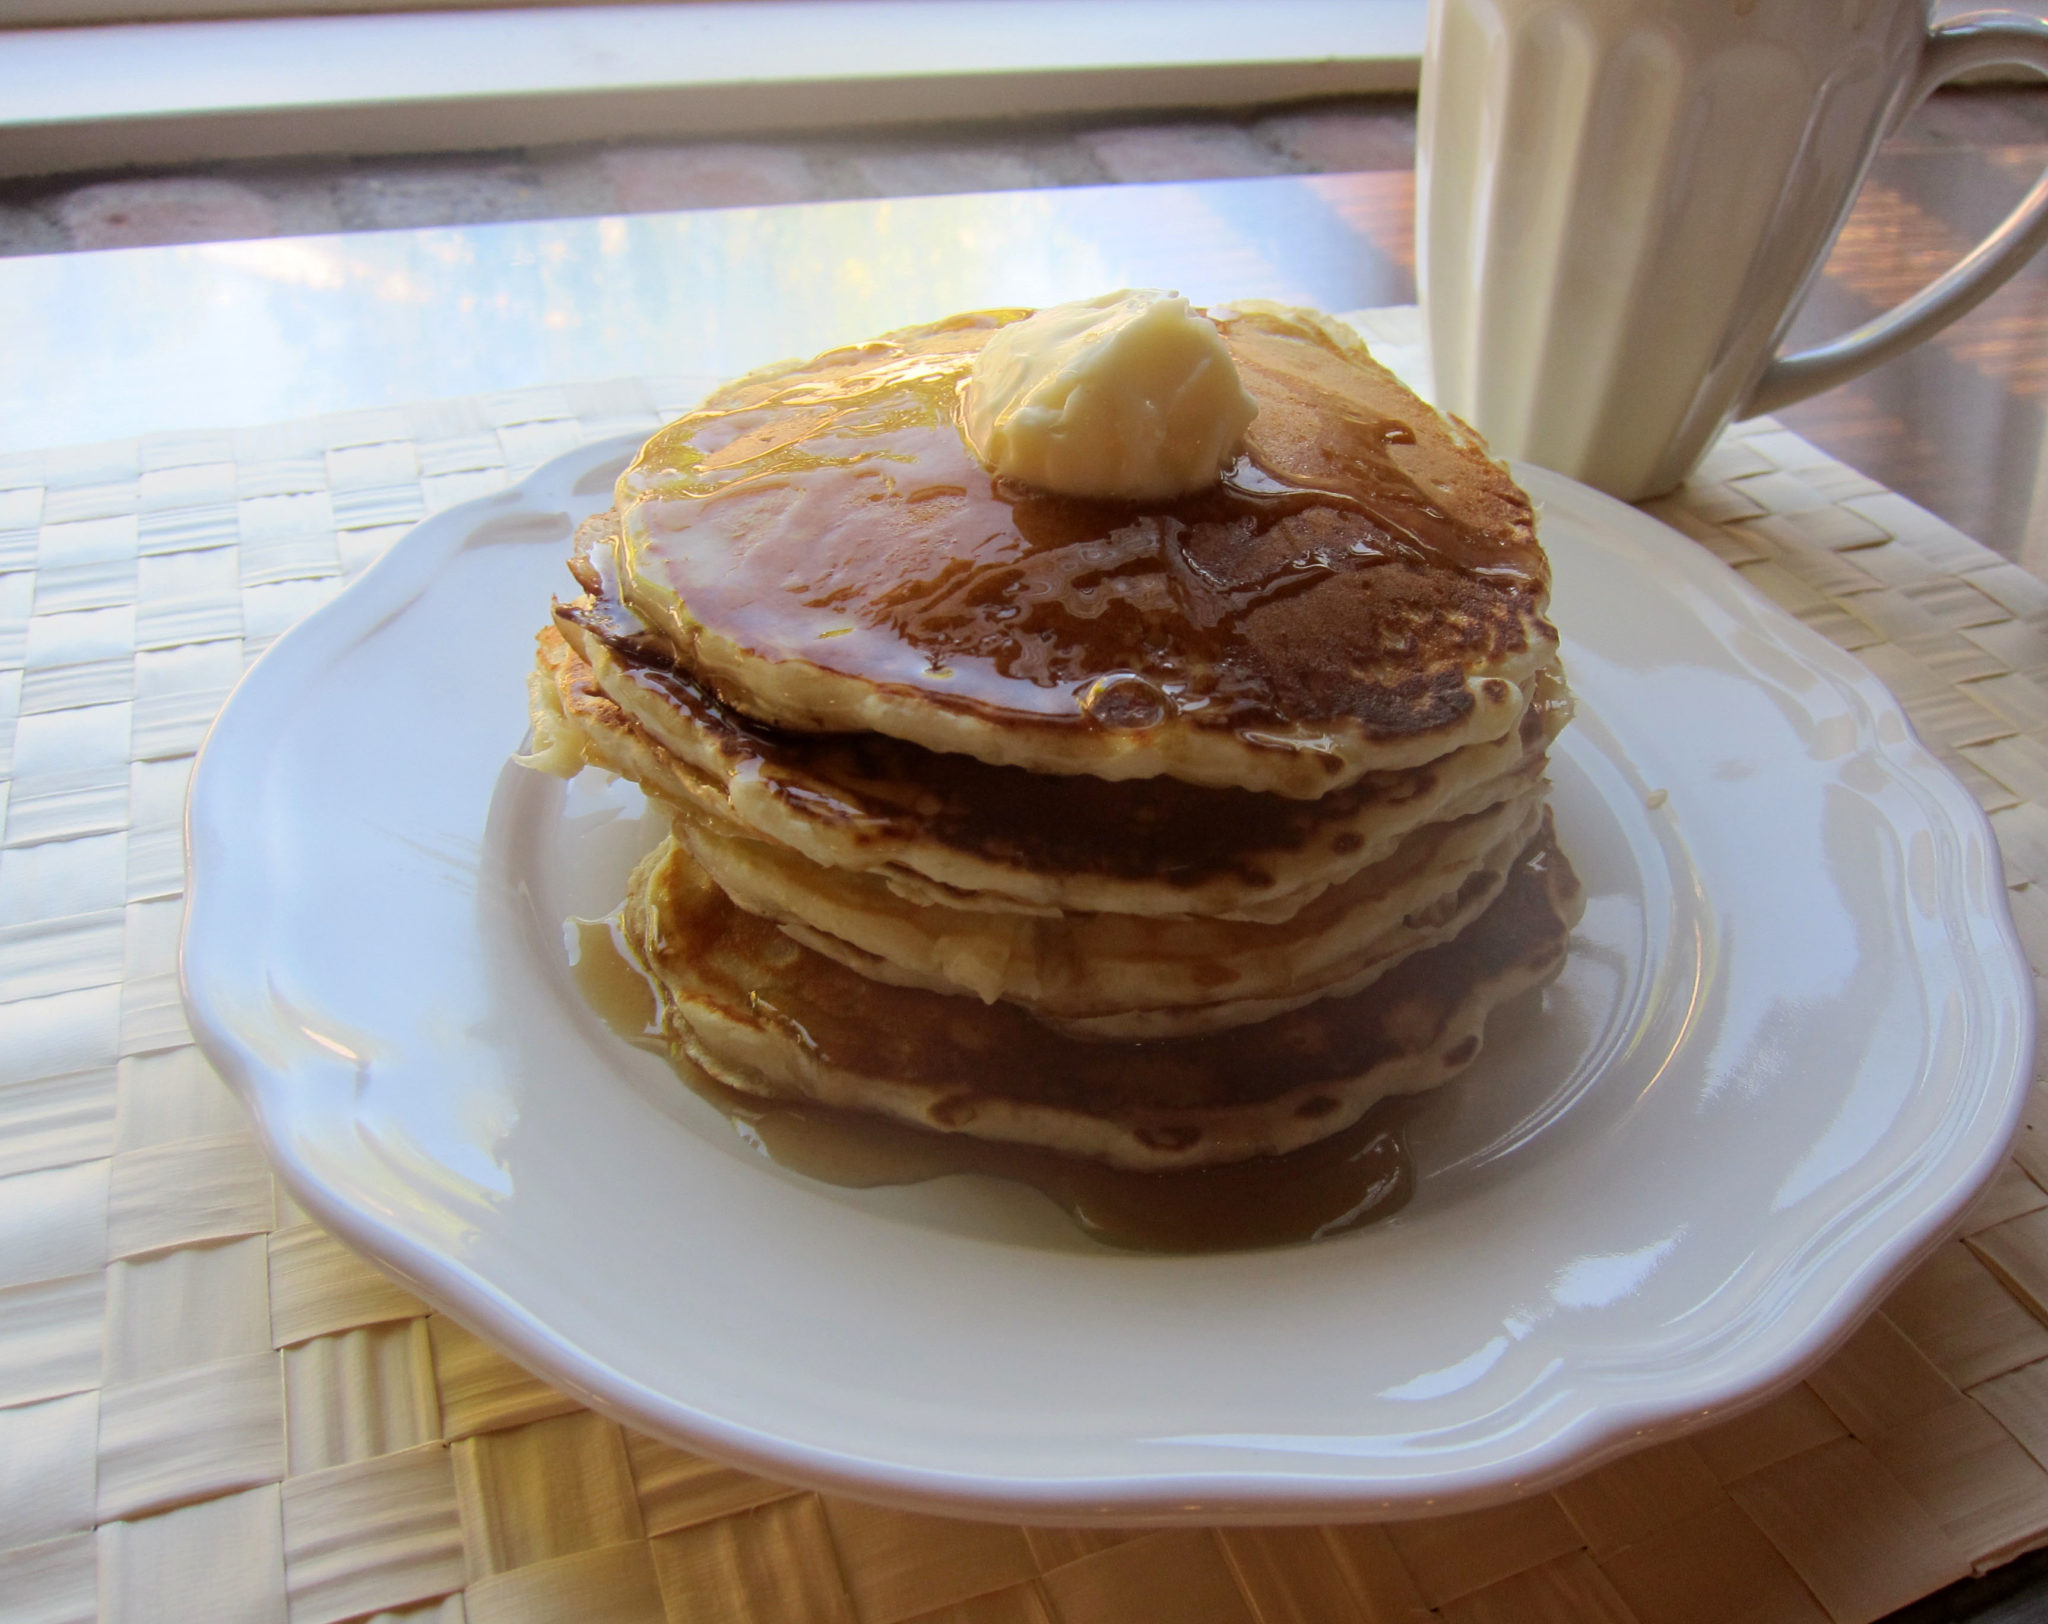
(1353, 1177)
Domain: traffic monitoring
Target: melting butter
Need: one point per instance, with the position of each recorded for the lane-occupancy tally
(1130, 396)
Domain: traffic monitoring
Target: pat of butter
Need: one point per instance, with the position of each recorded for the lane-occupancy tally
(1129, 396)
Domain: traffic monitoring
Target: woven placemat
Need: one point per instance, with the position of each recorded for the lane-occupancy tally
(210, 1412)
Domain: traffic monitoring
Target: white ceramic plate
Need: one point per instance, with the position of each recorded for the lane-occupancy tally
(1790, 1044)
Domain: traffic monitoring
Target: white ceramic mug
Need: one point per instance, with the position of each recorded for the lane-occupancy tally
(1622, 201)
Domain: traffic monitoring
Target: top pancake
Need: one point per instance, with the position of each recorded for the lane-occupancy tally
(1362, 591)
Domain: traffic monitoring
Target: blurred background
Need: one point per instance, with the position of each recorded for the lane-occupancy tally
(132, 123)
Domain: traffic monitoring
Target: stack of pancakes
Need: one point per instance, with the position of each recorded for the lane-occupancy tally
(1166, 833)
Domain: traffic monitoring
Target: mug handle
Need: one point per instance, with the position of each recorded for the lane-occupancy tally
(1978, 39)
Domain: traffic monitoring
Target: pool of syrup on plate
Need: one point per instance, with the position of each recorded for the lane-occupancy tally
(1353, 1177)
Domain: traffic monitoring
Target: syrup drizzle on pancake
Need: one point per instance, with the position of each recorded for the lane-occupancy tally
(834, 514)
(1356, 1176)
(767, 1015)
(871, 784)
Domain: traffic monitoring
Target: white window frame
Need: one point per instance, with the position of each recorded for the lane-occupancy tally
(448, 79)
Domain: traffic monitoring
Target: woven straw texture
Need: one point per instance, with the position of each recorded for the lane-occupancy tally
(211, 1413)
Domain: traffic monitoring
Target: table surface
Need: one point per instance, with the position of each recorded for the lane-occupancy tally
(1933, 1423)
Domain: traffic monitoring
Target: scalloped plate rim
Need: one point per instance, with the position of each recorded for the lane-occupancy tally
(1617, 1424)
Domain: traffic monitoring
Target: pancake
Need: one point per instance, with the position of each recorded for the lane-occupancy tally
(1361, 592)
(764, 1014)
(950, 831)
(1120, 976)
(1167, 833)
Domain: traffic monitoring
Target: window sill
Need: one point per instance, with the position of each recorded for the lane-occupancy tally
(78, 98)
